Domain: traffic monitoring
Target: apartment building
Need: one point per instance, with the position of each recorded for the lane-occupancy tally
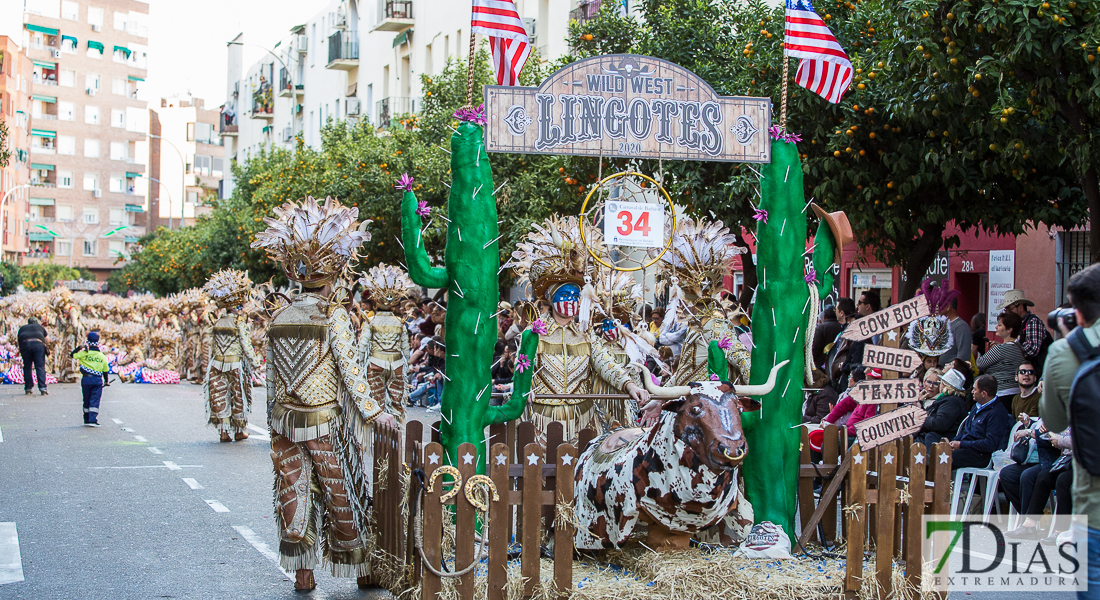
(360, 59)
(15, 111)
(88, 145)
(185, 161)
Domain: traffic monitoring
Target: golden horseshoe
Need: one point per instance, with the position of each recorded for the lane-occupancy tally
(471, 486)
(446, 470)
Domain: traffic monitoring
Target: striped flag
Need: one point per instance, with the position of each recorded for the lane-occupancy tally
(824, 68)
(508, 39)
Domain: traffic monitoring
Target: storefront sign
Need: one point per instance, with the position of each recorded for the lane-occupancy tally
(1002, 277)
(629, 106)
(887, 318)
(874, 280)
(635, 224)
(894, 359)
(892, 391)
(890, 426)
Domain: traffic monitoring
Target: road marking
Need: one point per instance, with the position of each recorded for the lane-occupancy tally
(117, 421)
(140, 439)
(155, 450)
(128, 429)
(261, 546)
(260, 433)
(171, 465)
(217, 506)
(1, 435)
(191, 483)
(11, 565)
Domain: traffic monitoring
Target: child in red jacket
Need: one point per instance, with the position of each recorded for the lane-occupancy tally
(847, 406)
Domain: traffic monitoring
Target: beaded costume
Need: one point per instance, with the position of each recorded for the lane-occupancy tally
(384, 340)
(228, 383)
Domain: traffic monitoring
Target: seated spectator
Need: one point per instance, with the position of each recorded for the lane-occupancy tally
(1030, 493)
(979, 343)
(947, 409)
(1003, 359)
(655, 319)
(967, 371)
(985, 428)
(505, 367)
(1027, 401)
(929, 387)
(848, 407)
(430, 389)
(504, 319)
(824, 335)
(667, 357)
(819, 403)
(927, 363)
(520, 321)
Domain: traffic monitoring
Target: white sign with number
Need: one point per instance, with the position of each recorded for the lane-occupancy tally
(637, 224)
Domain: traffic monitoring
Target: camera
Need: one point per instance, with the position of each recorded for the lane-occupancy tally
(1067, 316)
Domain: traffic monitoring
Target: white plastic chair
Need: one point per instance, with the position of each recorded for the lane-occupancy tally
(989, 495)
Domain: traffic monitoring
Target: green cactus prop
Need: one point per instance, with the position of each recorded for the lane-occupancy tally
(779, 329)
(472, 260)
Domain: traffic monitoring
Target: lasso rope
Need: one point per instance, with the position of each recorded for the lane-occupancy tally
(477, 503)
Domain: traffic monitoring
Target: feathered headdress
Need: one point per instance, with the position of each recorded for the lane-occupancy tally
(931, 335)
(938, 297)
(696, 262)
(554, 253)
(387, 285)
(313, 242)
(228, 288)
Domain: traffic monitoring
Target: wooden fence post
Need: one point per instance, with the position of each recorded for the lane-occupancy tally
(555, 435)
(886, 507)
(531, 516)
(856, 515)
(805, 487)
(433, 522)
(830, 452)
(500, 512)
(563, 532)
(918, 459)
(414, 442)
(465, 522)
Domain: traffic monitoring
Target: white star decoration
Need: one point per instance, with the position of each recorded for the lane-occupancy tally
(566, 459)
(919, 458)
(892, 334)
(888, 458)
(532, 459)
(467, 459)
(858, 459)
(502, 459)
(433, 459)
(943, 458)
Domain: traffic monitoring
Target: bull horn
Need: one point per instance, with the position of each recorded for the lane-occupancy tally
(674, 391)
(762, 389)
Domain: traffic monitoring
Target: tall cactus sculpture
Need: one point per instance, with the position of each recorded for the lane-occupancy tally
(779, 327)
(469, 274)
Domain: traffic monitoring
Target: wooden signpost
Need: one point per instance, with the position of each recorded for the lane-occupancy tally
(886, 391)
(890, 426)
(887, 318)
(894, 359)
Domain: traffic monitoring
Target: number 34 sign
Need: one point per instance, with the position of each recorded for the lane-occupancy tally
(637, 224)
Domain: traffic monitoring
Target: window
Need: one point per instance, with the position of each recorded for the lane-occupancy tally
(67, 78)
(190, 132)
(118, 185)
(64, 212)
(65, 111)
(118, 151)
(62, 247)
(193, 198)
(91, 115)
(66, 144)
(116, 248)
(91, 148)
(68, 45)
(204, 132)
(90, 215)
(95, 17)
(65, 181)
(118, 86)
(202, 164)
(91, 81)
(70, 10)
(91, 182)
(118, 118)
(90, 247)
(117, 216)
(94, 53)
(216, 166)
(120, 21)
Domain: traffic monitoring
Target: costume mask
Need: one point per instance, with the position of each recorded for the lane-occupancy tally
(610, 330)
(566, 299)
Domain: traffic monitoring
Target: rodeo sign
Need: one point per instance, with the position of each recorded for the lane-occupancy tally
(627, 105)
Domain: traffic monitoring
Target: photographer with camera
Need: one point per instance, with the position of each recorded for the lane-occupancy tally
(1073, 364)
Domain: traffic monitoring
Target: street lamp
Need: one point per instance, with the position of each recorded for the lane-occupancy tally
(183, 178)
(4, 201)
(290, 79)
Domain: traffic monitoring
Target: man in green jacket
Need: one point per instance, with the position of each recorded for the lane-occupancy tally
(93, 371)
(1058, 374)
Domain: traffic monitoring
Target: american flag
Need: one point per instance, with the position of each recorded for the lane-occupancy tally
(824, 69)
(508, 39)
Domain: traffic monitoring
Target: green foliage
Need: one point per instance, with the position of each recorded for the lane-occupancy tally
(41, 276)
(5, 151)
(13, 276)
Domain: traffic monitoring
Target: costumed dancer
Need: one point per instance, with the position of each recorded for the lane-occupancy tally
(68, 324)
(228, 384)
(554, 260)
(384, 340)
(320, 410)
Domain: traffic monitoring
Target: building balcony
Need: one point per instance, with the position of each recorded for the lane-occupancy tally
(343, 51)
(387, 108)
(586, 11)
(394, 15)
(37, 150)
(229, 129)
(45, 117)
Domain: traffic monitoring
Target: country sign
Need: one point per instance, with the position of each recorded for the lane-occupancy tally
(629, 106)
(886, 391)
(894, 359)
(887, 319)
(890, 426)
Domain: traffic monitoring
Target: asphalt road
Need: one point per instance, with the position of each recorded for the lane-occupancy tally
(150, 505)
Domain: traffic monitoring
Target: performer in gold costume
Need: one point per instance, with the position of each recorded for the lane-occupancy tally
(228, 384)
(384, 340)
(555, 262)
(320, 410)
(71, 331)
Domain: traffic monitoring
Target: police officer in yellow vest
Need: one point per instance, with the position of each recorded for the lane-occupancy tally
(93, 371)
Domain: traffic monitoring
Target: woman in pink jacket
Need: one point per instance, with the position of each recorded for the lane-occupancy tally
(848, 407)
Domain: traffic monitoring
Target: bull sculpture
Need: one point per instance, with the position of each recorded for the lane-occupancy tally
(680, 476)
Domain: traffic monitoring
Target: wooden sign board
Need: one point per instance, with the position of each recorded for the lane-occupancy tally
(894, 359)
(890, 426)
(886, 391)
(627, 105)
(887, 318)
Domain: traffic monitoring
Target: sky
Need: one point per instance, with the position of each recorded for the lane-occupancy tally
(187, 51)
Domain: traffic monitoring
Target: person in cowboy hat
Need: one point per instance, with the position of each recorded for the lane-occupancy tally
(1034, 337)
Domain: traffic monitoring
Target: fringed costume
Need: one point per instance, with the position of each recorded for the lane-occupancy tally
(228, 383)
(384, 340)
